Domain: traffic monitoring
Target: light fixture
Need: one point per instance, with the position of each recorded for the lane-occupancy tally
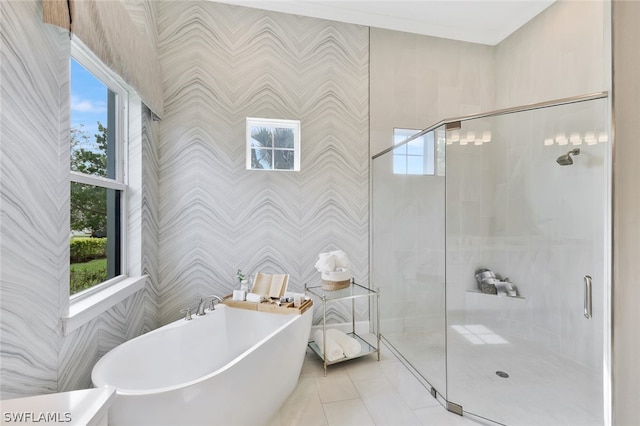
(602, 137)
(575, 139)
(561, 139)
(454, 136)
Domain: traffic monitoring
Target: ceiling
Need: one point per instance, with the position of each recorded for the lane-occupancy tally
(477, 21)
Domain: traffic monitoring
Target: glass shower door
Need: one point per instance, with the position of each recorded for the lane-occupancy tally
(526, 200)
(408, 253)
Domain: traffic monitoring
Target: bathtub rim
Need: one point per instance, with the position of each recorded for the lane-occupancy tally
(182, 385)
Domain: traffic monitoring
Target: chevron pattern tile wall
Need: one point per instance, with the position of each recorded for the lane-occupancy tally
(35, 357)
(34, 197)
(224, 63)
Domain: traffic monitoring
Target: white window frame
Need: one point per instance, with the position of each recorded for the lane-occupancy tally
(89, 304)
(275, 123)
(91, 63)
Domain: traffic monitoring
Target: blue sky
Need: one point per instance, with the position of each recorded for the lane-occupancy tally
(88, 100)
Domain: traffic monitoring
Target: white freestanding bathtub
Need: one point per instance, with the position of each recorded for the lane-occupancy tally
(229, 367)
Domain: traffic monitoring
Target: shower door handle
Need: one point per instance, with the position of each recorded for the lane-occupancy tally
(588, 305)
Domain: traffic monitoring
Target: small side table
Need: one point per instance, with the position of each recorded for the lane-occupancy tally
(354, 291)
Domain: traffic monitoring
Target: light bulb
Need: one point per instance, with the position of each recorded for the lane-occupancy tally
(561, 139)
(575, 139)
(602, 137)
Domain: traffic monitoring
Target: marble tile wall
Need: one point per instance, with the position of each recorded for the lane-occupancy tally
(34, 122)
(222, 64)
(150, 196)
(34, 198)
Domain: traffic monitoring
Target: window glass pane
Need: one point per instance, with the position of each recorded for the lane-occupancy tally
(95, 236)
(416, 147)
(415, 165)
(440, 153)
(400, 135)
(400, 150)
(261, 137)
(261, 158)
(92, 113)
(400, 164)
(283, 159)
(283, 137)
(95, 211)
(429, 154)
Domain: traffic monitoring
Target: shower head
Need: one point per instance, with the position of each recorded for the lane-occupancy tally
(566, 160)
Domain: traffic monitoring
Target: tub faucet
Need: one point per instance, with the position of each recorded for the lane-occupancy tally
(203, 303)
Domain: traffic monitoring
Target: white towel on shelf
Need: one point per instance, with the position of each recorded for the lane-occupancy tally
(334, 351)
(341, 259)
(326, 262)
(349, 345)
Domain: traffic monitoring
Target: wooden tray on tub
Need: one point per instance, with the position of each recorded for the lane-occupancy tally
(285, 308)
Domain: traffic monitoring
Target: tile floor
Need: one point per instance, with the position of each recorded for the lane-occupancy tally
(362, 392)
(543, 388)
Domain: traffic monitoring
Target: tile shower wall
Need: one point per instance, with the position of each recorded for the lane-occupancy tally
(417, 81)
(222, 64)
(562, 52)
(35, 357)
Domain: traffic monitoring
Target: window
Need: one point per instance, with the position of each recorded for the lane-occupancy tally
(416, 157)
(97, 158)
(273, 144)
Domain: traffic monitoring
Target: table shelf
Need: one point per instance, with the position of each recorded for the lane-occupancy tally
(367, 349)
(352, 292)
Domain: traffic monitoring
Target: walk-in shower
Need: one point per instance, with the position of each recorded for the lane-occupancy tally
(498, 201)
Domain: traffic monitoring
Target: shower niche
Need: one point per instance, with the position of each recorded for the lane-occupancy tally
(524, 192)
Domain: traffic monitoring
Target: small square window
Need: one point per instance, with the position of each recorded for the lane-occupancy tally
(273, 144)
(416, 157)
